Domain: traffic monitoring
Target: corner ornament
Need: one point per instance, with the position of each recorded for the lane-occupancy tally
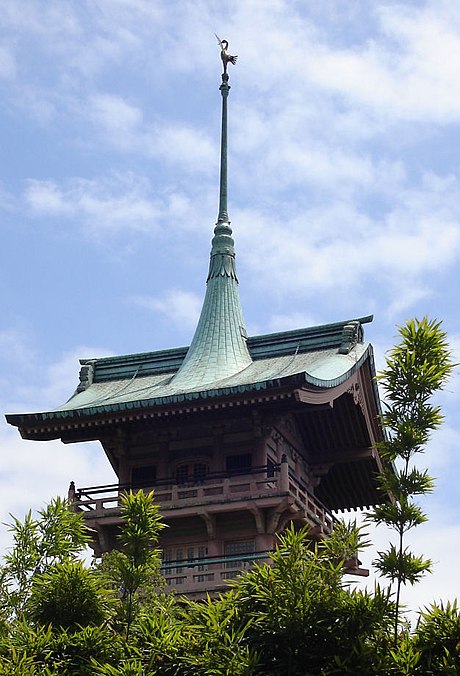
(224, 55)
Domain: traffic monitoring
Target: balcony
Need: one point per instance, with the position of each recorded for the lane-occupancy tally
(270, 488)
(211, 575)
(196, 578)
(266, 487)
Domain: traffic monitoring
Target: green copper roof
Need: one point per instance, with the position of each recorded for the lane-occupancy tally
(219, 346)
(218, 349)
(320, 356)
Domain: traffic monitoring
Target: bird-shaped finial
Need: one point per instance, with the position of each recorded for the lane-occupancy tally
(223, 44)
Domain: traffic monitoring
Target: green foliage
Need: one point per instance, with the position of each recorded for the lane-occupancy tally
(296, 616)
(300, 617)
(401, 514)
(404, 660)
(59, 615)
(221, 641)
(141, 525)
(56, 536)
(437, 638)
(68, 595)
(134, 572)
(67, 652)
(416, 368)
(19, 664)
(130, 667)
(403, 566)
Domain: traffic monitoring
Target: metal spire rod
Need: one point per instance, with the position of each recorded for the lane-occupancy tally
(223, 208)
(224, 90)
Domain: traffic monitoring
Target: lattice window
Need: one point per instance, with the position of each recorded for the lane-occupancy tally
(143, 476)
(191, 472)
(236, 548)
(238, 463)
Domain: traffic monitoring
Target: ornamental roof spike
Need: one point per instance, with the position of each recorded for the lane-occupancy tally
(218, 349)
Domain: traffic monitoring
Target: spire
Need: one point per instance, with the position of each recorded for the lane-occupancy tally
(218, 349)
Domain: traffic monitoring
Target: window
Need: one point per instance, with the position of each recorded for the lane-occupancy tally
(144, 476)
(182, 474)
(199, 471)
(181, 560)
(239, 464)
(236, 548)
(191, 472)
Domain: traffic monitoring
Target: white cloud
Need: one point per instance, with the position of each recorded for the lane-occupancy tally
(436, 540)
(339, 246)
(293, 320)
(181, 145)
(119, 205)
(407, 296)
(8, 201)
(120, 202)
(46, 197)
(406, 71)
(31, 473)
(55, 384)
(15, 348)
(186, 147)
(181, 307)
(119, 119)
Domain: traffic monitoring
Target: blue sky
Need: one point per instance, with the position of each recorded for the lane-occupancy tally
(344, 196)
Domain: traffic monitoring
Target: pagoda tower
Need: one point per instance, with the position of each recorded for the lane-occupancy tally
(238, 436)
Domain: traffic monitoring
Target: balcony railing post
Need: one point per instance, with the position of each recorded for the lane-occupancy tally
(284, 474)
(71, 497)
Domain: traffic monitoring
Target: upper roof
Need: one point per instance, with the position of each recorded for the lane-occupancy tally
(321, 356)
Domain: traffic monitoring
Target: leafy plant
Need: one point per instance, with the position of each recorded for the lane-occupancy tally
(57, 535)
(68, 595)
(416, 368)
(437, 637)
(134, 571)
(300, 616)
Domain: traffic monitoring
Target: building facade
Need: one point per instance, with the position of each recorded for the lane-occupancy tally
(237, 435)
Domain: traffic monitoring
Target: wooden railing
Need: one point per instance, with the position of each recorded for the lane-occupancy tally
(257, 482)
(209, 574)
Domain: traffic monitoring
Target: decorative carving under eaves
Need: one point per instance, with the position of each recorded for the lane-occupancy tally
(210, 522)
(318, 471)
(358, 399)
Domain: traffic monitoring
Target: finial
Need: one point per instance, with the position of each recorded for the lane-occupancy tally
(224, 55)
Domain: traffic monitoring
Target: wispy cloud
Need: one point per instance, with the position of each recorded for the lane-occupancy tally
(419, 233)
(180, 307)
(181, 145)
(406, 71)
(119, 202)
(32, 472)
(51, 384)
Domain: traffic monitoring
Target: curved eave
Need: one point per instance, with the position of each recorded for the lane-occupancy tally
(329, 383)
(60, 418)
